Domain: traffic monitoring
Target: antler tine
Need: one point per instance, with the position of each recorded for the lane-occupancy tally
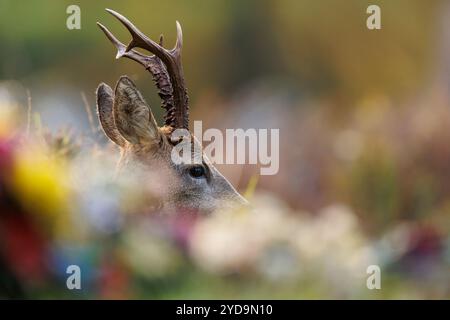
(155, 66)
(139, 39)
(122, 49)
(179, 116)
(176, 51)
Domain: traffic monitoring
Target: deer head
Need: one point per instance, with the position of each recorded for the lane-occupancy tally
(127, 120)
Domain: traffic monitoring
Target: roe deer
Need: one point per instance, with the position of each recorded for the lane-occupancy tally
(128, 121)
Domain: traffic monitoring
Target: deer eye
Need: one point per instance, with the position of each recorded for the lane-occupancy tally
(197, 172)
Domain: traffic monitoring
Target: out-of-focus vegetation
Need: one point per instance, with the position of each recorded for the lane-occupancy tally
(364, 120)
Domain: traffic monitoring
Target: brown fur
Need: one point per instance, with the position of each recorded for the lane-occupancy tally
(146, 149)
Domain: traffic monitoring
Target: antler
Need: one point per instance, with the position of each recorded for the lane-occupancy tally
(165, 67)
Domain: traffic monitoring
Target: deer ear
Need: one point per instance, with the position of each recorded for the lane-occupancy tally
(132, 115)
(105, 114)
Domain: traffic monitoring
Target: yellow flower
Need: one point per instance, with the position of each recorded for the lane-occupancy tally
(40, 185)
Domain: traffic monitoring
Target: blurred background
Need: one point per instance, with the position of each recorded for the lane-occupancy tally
(364, 119)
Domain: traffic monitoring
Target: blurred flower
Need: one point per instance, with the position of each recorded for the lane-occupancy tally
(114, 282)
(279, 245)
(24, 247)
(8, 118)
(41, 186)
(6, 158)
(149, 251)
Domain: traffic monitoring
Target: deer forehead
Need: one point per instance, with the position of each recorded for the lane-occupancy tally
(164, 149)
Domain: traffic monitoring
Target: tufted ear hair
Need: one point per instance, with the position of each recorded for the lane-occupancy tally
(105, 114)
(132, 115)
